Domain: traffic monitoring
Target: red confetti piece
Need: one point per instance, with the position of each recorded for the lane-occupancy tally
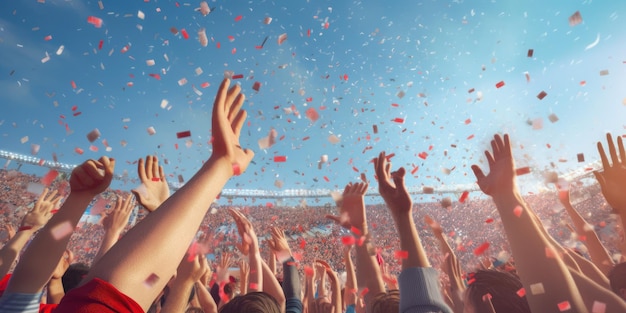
(541, 95)
(205, 85)
(361, 240)
(375, 128)
(156, 179)
(345, 76)
(575, 19)
(49, 177)
(518, 211)
(486, 297)
(100, 44)
(77, 113)
(500, 84)
(312, 114)
(398, 120)
(95, 21)
(254, 286)
(308, 271)
(309, 99)
(233, 51)
(530, 53)
(414, 170)
(564, 306)
(184, 33)
(522, 171)
(481, 249)
(470, 137)
(238, 18)
(348, 240)
(231, 38)
(467, 121)
(79, 150)
(125, 49)
(282, 39)
(48, 38)
(489, 220)
(364, 291)
(256, 86)
(464, 196)
(308, 32)
(73, 87)
(521, 292)
(280, 158)
(401, 254)
(302, 243)
(355, 231)
(423, 155)
(155, 76)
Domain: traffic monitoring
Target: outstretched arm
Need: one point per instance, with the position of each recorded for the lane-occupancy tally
(114, 223)
(598, 253)
(158, 236)
(419, 285)
(353, 217)
(190, 270)
(539, 265)
(43, 253)
(32, 222)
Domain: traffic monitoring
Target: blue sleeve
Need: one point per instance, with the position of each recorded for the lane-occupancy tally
(350, 308)
(291, 287)
(419, 291)
(20, 302)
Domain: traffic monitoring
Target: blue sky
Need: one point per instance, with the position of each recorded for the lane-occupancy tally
(432, 52)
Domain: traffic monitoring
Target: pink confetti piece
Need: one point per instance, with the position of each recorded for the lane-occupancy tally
(204, 8)
(93, 148)
(202, 38)
(48, 38)
(125, 49)
(365, 291)
(79, 150)
(151, 131)
(151, 280)
(282, 38)
(93, 135)
(312, 114)
(468, 121)
(95, 21)
(598, 307)
(398, 120)
(487, 297)
(522, 171)
(205, 85)
(470, 137)
(238, 18)
(500, 84)
(49, 177)
(231, 38)
(518, 211)
(481, 249)
(62, 230)
(521, 292)
(564, 306)
(280, 158)
(73, 87)
(267, 20)
(575, 19)
(308, 271)
(184, 33)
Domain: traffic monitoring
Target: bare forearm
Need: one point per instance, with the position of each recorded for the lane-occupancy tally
(109, 239)
(272, 287)
(43, 253)
(410, 242)
(350, 295)
(255, 277)
(12, 249)
(529, 245)
(55, 291)
(368, 274)
(204, 297)
(179, 296)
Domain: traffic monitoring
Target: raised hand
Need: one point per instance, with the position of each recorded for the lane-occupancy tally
(501, 178)
(117, 219)
(227, 120)
(222, 267)
(278, 244)
(391, 186)
(10, 231)
(191, 270)
(42, 211)
(352, 207)
(612, 178)
(154, 189)
(92, 177)
(249, 240)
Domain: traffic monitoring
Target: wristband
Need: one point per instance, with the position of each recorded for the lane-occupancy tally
(236, 169)
(25, 228)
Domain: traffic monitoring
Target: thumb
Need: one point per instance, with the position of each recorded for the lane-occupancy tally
(398, 177)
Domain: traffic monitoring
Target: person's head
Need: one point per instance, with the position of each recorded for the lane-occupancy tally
(617, 279)
(253, 302)
(386, 302)
(74, 275)
(502, 287)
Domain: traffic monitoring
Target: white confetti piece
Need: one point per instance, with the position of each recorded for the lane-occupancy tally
(593, 44)
(537, 289)
(24, 139)
(141, 15)
(598, 307)
(164, 103)
(199, 71)
(35, 188)
(60, 50)
(150, 62)
(46, 58)
(34, 149)
(62, 230)
(182, 81)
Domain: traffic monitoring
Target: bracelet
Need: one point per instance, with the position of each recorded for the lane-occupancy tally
(236, 169)
(25, 228)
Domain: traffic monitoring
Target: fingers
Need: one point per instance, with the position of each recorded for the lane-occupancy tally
(148, 168)
(605, 161)
(220, 98)
(398, 177)
(231, 100)
(238, 121)
(141, 170)
(236, 105)
(490, 159)
(478, 172)
(622, 153)
(161, 173)
(612, 151)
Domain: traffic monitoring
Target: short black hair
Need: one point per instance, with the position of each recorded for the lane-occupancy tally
(502, 287)
(74, 275)
(252, 302)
